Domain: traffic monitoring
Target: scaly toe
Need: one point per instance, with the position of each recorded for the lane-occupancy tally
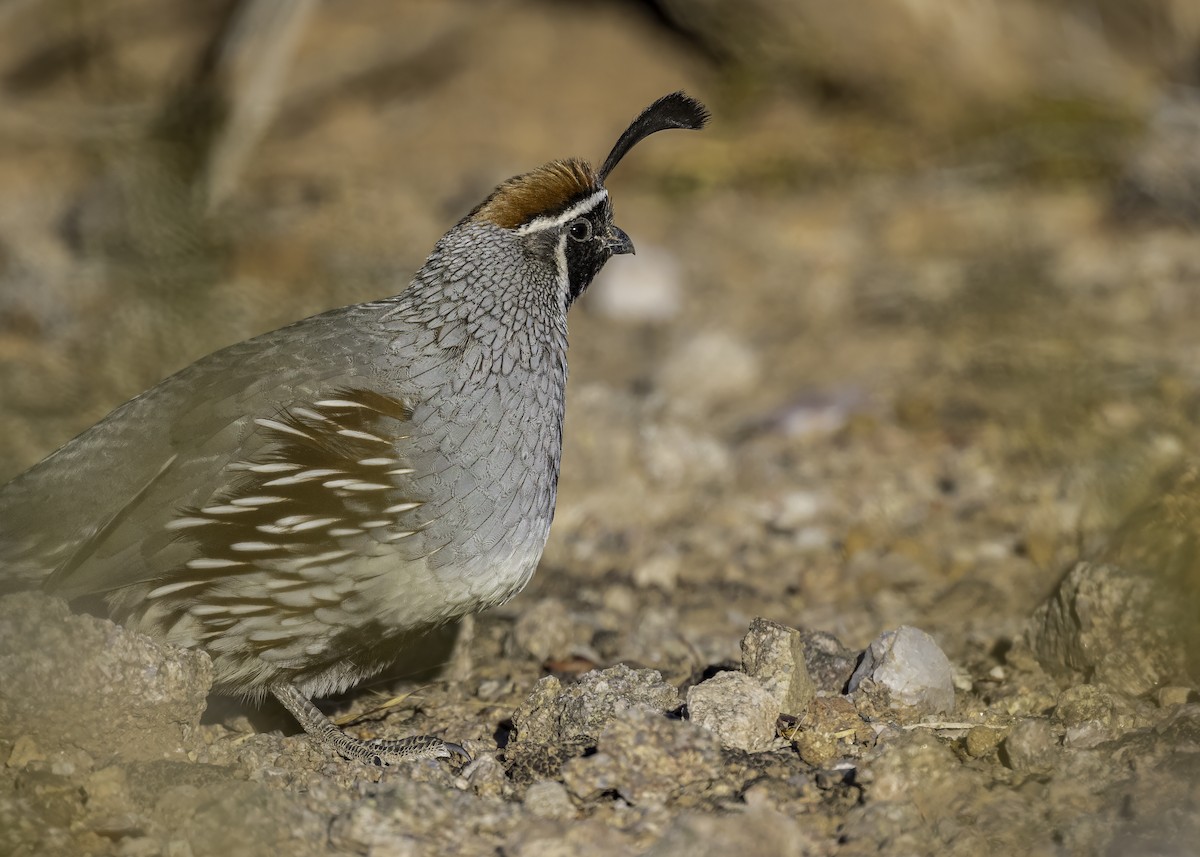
(391, 751)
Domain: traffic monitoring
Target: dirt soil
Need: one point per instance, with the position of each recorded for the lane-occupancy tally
(852, 382)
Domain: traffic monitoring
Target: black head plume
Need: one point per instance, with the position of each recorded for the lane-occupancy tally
(677, 110)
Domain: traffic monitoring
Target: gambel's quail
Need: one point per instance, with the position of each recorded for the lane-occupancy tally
(301, 504)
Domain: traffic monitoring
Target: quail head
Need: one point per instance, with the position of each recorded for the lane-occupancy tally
(300, 504)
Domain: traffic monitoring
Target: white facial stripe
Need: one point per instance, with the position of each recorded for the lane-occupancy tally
(560, 257)
(540, 223)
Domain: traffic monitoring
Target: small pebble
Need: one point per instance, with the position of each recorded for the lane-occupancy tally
(982, 740)
(911, 667)
(1089, 715)
(549, 799)
(1031, 746)
(829, 663)
(1173, 695)
(485, 775)
(24, 751)
(737, 708)
(545, 630)
(658, 572)
(774, 655)
(798, 508)
(108, 792)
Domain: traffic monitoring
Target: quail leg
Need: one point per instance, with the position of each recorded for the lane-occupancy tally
(461, 665)
(379, 752)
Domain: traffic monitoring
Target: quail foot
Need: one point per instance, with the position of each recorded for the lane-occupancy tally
(301, 504)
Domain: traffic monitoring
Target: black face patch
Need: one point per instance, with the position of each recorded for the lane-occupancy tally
(586, 248)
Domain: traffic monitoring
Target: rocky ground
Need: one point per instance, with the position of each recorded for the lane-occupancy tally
(878, 514)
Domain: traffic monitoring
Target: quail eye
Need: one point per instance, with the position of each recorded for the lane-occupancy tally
(581, 229)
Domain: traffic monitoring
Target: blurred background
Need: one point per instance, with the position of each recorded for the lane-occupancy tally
(911, 328)
(178, 176)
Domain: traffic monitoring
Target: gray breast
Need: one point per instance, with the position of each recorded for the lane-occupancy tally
(483, 364)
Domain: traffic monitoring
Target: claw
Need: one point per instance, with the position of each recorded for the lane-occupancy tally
(456, 750)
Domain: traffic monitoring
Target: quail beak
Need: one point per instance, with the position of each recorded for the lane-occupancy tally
(618, 242)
